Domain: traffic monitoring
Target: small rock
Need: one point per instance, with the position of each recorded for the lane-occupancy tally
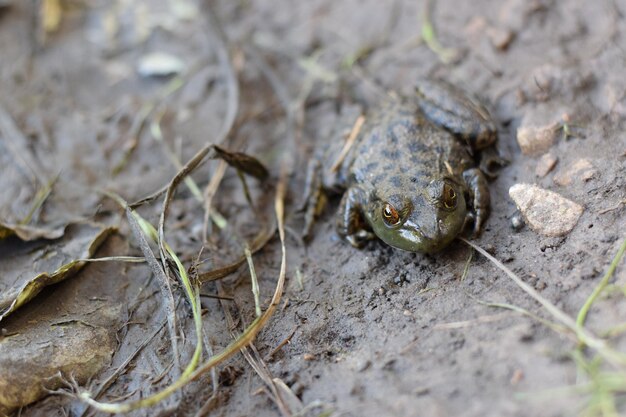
(517, 221)
(546, 212)
(548, 81)
(545, 164)
(536, 139)
(500, 38)
(363, 365)
(581, 170)
(517, 376)
(159, 64)
(476, 26)
(538, 130)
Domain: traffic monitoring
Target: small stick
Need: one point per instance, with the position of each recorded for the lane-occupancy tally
(356, 128)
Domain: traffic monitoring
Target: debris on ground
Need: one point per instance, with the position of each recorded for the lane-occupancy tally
(160, 64)
(545, 165)
(538, 130)
(517, 221)
(580, 170)
(546, 212)
(500, 38)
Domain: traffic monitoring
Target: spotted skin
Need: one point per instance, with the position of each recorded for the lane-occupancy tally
(415, 161)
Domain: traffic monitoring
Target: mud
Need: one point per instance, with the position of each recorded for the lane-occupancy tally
(374, 332)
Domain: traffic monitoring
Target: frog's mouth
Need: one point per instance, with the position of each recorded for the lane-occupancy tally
(415, 238)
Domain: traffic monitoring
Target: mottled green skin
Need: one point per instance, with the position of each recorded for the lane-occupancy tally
(403, 158)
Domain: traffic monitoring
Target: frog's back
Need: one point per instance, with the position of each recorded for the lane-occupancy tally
(398, 146)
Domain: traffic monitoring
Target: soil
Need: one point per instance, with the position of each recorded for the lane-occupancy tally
(372, 332)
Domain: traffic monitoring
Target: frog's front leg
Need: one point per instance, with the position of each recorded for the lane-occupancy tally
(351, 224)
(479, 197)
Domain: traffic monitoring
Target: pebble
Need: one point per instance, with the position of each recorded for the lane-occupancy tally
(517, 221)
(579, 170)
(517, 377)
(545, 212)
(538, 130)
(160, 64)
(500, 38)
(545, 164)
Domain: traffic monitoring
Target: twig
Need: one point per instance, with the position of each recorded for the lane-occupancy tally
(354, 133)
(284, 342)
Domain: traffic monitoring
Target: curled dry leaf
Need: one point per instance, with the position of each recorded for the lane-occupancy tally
(29, 233)
(243, 162)
(26, 268)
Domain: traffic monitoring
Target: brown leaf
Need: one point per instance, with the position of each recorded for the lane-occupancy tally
(28, 273)
(243, 162)
(28, 233)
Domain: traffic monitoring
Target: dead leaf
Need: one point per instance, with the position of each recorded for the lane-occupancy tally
(243, 162)
(28, 233)
(25, 272)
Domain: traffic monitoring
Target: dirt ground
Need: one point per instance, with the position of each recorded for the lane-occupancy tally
(372, 332)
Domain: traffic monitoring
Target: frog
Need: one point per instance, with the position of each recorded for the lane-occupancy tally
(412, 176)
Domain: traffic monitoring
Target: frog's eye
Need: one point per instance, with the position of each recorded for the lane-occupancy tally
(390, 215)
(449, 197)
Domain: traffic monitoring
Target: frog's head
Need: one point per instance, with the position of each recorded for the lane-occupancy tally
(423, 220)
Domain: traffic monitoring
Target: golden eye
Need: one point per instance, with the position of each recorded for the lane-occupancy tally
(390, 215)
(449, 197)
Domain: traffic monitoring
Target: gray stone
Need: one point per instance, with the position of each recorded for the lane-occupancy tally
(538, 130)
(545, 212)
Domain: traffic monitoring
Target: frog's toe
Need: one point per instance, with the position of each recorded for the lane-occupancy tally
(480, 216)
(491, 163)
(360, 238)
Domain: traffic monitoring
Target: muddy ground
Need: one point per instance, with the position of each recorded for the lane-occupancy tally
(372, 332)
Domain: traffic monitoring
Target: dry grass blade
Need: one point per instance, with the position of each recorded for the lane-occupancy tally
(243, 340)
(354, 133)
(164, 284)
(582, 315)
(254, 280)
(584, 336)
(209, 193)
(257, 244)
(554, 326)
(253, 357)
